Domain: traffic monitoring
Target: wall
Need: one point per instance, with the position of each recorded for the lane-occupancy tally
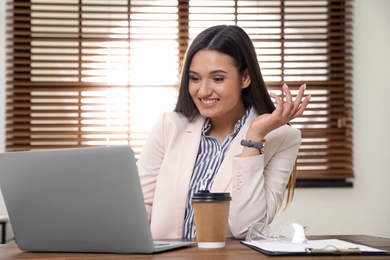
(363, 209)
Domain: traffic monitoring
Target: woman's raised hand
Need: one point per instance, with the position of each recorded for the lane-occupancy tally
(284, 112)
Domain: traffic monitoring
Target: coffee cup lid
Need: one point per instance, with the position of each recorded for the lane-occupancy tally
(207, 196)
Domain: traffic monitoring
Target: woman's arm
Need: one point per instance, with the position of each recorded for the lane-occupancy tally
(260, 181)
(149, 163)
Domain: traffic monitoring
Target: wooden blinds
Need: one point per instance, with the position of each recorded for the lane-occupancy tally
(100, 72)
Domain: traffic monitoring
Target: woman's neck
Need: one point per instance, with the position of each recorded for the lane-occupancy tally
(222, 127)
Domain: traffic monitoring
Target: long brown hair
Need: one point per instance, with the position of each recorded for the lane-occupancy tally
(290, 189)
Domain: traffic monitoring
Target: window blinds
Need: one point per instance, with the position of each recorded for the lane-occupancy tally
(100, 72)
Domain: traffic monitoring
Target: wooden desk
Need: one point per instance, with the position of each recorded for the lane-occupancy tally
(233, 250)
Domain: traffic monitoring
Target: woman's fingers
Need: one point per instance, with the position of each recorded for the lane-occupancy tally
(278, 100)
(302, 107)
(287, 93)
(284, 111)
(291, 109)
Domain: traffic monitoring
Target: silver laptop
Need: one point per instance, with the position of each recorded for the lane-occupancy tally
(78, 200)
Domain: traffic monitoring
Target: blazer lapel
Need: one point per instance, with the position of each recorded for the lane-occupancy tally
(189, 147)
(223, 178)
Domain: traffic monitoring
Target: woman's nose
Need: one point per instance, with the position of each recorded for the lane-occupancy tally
(205, 89)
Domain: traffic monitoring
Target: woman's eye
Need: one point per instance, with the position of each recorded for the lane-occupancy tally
(194, 78)
(218, 79)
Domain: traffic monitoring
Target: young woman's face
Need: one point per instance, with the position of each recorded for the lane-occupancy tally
(215, 85)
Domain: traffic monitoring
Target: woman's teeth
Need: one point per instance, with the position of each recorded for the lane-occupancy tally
(209, 101)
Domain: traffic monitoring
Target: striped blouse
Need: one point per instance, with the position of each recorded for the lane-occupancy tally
(210, 156)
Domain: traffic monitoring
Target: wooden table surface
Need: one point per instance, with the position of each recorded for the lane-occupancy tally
(233, 250)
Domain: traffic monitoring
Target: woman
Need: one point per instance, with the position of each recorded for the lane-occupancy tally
(222, 101)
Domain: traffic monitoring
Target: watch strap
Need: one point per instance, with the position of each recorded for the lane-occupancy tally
(249, 143)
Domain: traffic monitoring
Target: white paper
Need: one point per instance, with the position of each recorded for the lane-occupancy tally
(325, 244)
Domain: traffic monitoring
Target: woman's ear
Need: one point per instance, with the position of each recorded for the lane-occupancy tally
(246, 80)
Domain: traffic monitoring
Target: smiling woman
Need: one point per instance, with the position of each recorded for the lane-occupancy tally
(223, 108)
(80, 72)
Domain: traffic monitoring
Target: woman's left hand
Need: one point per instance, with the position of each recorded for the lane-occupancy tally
(284, 112)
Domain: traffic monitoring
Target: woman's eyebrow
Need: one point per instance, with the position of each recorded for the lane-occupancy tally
(218, 71)
(211, 72)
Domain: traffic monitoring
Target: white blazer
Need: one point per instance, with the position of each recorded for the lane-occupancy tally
(256, 184)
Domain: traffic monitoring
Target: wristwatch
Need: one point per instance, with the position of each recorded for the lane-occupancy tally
(258, 145)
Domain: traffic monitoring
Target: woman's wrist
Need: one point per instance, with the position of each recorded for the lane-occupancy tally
(256, 145)
(254, 137)
(255, 134)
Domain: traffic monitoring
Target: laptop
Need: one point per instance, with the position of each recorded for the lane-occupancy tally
(78, 200)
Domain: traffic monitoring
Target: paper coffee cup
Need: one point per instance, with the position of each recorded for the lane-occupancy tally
(211, 212)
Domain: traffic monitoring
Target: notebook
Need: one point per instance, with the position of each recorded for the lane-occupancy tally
(78, 200)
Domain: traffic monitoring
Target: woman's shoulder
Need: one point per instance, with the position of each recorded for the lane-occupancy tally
(289, 129)
(285, 132)
(174, 117)
(177, 120)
